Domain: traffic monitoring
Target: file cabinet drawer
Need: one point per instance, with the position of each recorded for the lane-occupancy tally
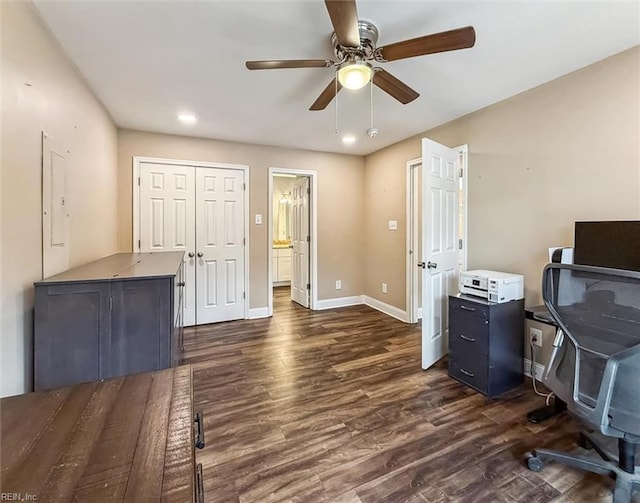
(469, 332)
(462, 307)
(470, 369)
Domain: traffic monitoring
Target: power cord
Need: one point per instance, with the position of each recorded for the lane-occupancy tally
(533, 375)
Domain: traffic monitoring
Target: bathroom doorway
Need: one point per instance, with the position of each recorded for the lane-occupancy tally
(292, 232)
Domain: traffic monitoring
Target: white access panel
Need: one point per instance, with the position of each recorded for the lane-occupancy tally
(55, 214)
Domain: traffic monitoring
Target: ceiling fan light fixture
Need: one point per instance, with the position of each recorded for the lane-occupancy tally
(355, 75)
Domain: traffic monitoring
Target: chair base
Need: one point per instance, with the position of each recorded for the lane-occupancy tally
(626, 481)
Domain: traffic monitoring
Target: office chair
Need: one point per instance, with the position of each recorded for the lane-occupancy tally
(595, 366)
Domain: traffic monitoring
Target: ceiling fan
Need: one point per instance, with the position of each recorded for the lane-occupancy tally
(354, 44)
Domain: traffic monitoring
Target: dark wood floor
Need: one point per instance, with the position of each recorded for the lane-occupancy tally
(333, 406)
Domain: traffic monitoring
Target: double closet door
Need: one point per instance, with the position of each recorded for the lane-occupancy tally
(198, 210)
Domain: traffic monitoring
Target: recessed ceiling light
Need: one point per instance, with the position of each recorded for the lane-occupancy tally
(187, 118)
(348, 139)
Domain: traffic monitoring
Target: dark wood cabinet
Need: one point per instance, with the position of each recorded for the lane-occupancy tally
(125, 439)
(486, 343)
(116, 316)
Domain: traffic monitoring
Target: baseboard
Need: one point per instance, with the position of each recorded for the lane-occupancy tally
(259, 312)
(323, 304)
(385, 308)
(538, 369)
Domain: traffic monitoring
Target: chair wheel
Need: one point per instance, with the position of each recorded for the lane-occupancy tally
(584, 442)
(534, 463)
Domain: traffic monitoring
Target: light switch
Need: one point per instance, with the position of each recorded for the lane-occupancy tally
(258, 219)
(393, 225)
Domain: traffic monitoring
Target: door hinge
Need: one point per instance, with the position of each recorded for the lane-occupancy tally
(308, 239)
(460, 172)
(308, 286)
(139, 245)
(244, 295)
(459, 244)
(138, 181)
(244, 241)
(244, 186)
(110, 303)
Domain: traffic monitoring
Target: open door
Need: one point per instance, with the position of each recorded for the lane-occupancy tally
(439, 245)
(300, 239)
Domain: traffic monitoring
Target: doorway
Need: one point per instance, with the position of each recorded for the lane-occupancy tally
(292, 236)
(201, 210)
(414, 254)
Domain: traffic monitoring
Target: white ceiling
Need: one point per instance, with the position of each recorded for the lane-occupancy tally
(148, 61)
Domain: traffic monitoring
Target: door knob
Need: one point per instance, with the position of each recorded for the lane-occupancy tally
(191, 254)
(200, 254)
(421, 264)
(431, 265)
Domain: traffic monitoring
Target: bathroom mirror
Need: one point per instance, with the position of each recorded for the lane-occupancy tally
(282, 189)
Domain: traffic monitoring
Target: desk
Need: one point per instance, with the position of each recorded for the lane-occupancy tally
(540, 315)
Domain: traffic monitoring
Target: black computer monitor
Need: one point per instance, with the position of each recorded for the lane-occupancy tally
(614, 244)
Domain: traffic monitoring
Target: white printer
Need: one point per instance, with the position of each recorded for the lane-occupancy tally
(492, 285)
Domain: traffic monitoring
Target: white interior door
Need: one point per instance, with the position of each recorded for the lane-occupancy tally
(300, 239)
(167, 220)
(439, 245)
(219, 244)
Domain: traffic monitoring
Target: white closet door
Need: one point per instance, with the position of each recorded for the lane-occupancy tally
(167, 220)
(219, 244)
(300, 241)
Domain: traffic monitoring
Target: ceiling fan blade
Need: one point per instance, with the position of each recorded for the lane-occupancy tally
(274, 64)
(394, 87)
(326, 96)
(344, 17)
(461, 38)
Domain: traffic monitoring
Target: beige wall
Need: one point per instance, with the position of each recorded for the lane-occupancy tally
(59, 102)
(340, 203)
(567, 150)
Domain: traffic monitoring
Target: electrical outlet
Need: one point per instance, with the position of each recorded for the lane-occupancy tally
(384, 288)
(535, 336)
(338, 284)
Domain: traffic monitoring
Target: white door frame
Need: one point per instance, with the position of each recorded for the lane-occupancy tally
(313, 230)
(413, 233)
(414, 312)
(463, 150)
(135, 180)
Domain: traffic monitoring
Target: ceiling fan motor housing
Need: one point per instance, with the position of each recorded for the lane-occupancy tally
(368, 41)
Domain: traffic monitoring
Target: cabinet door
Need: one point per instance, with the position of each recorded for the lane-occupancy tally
(142, 326)
(274, 267)
(284, 268)
(71, 331)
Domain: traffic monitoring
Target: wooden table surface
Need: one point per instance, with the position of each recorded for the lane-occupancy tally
(123, 439)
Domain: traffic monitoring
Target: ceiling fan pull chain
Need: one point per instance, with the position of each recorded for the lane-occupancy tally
(372, 131)
(336, 95)
(371, 100)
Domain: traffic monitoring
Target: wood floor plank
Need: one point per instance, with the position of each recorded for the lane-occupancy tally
(334, 406)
